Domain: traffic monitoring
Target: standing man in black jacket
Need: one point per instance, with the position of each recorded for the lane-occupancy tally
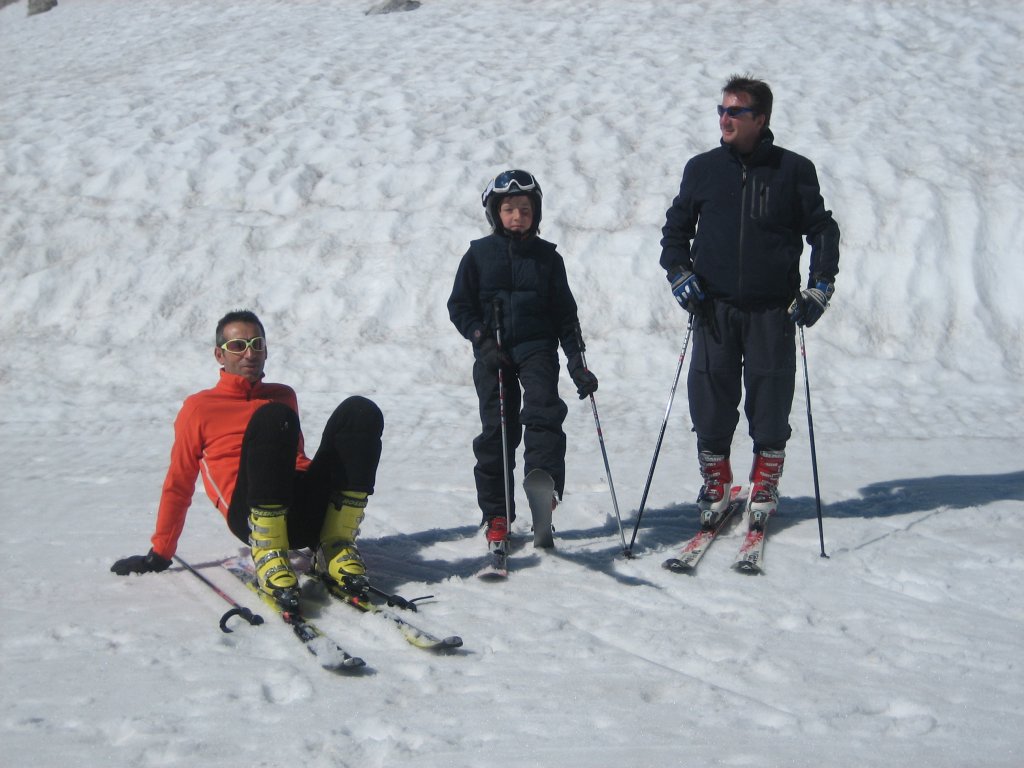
(525, 276)
(731, 249)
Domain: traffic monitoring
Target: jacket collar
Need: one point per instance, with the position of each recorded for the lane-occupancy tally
(761, 152)
(230, 382)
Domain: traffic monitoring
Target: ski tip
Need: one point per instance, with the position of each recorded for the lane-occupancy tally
(676, 565)
(452, 642)
(348, 664)
(748, 568)
(494, 566)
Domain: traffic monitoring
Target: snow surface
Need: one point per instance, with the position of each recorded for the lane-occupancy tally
(163, 162)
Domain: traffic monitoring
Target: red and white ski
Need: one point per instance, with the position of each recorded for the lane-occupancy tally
(694, 549)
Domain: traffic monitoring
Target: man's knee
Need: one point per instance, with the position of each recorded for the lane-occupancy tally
(273, 421)
(358, 414)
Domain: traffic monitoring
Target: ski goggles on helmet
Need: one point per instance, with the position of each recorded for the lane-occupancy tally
(508, 182)
(239, 346)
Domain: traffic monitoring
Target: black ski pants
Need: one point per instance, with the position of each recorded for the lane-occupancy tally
(754, 357)
(346, 460)
(533, 410)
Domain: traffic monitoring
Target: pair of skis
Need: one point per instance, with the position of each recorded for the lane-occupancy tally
(328, 652)
(749, 558)
(540, 492)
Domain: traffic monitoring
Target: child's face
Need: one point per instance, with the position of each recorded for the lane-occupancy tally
(516, 213)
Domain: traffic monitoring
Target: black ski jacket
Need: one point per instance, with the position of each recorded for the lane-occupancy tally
(528, 278)
(745, 217)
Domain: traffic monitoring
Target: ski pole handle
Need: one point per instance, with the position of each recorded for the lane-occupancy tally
(253, 618)
(583, 347)
(236, 610)
(578, 331)
(496, 308)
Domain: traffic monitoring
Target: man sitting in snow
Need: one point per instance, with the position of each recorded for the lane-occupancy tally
(244, 436)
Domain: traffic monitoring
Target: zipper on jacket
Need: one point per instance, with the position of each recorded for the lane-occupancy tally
(508, 332)
(743, 226)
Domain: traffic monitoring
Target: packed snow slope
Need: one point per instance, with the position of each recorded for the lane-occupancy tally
(163, 162)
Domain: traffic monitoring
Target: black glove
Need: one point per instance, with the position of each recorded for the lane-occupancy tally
(486, 351)
(151, 563)
(585, 381)
(811, 303)
(686, 288)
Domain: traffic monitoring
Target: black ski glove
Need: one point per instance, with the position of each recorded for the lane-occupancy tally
(485, 349)
(151, 563)
(811, 303)
(585, 381)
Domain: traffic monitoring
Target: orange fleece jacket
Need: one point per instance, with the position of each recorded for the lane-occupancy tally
(208, 435)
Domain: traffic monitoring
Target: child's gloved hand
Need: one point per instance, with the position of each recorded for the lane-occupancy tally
(585, 381)
(486, 351)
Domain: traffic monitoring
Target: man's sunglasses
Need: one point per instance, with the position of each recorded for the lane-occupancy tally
(239, 346)
(734, 111)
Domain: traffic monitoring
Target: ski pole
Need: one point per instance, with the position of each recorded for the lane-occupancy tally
(600, 439)
(236, 610)
(661, 436)
(810, 434)
(501, 406)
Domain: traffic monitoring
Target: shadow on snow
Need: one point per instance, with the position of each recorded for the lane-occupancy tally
(399, 558)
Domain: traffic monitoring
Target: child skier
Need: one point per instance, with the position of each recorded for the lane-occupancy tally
(511, 299)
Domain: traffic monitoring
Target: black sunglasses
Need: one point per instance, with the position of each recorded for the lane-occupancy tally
(734, 111)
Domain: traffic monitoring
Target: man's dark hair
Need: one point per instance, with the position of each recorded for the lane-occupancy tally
(236, 316)
(758, 91)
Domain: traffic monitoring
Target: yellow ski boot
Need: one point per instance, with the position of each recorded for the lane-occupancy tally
(268, 538)
(337, 557)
